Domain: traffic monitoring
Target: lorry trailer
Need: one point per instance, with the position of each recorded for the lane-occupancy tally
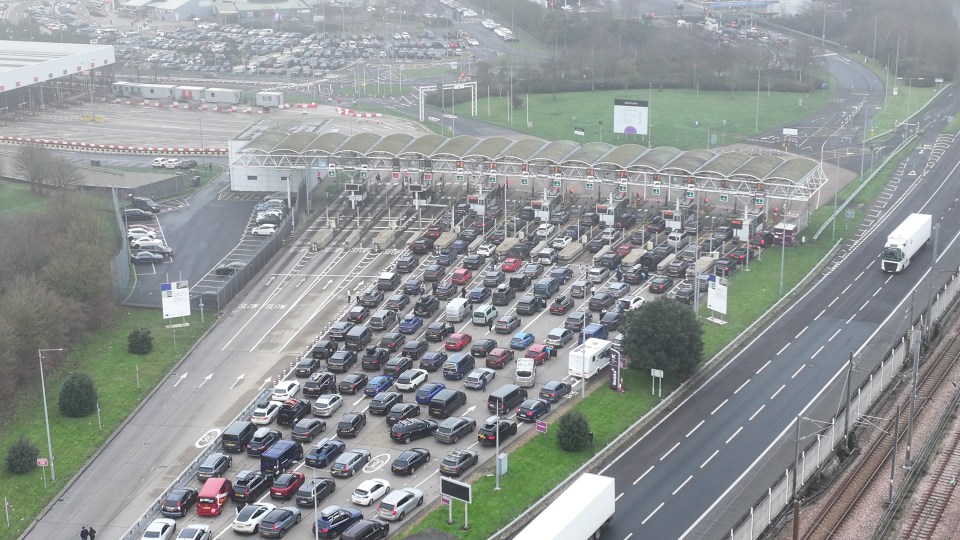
(579, 513)
(905, 242)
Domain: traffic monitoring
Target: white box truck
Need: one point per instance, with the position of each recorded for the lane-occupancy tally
(588, 358)
(904, 242)
(579, 513)
(526, 376)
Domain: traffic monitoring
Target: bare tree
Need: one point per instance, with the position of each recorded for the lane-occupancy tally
(64, 174)
(32, 164)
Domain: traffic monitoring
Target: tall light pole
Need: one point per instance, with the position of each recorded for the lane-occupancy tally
(496, 456)
(46, 415)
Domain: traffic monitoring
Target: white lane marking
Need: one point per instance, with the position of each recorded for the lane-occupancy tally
(627, 537)
(735, 433)
(833, 301)
(783, 348)
(851, 318)
(718, 407)
(819, 315)
(681, 485)
(782, 386)
(617, 499)
(428, 478)
(655, 510)
(797, 372)
(741, 386)
(763, 367)
(801, 332)
(876, 292)
(754, 415)
(663, 457)
(818, 352)
(704, 464)
(864, 305)
(888, 279)
(860, 275)
(357, 402)
(696, 427)
(845, 288)
(834, 334)
(639, 478)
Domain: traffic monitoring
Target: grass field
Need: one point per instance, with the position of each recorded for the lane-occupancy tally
(122, 380)
(15, 197)
(683, 119)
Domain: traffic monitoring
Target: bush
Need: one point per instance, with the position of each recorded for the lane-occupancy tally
(574, 432)
(78, 397)
(140, 341)
(22, 456)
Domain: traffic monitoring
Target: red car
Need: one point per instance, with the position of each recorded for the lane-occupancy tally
(499, 357)
(433, 232)
(624, 249)
(461, 276)
(539, 352)
(457, 342)
(286, 485)
(511, 264)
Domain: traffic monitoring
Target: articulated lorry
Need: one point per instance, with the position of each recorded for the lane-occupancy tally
(904, 242)
(579, 513)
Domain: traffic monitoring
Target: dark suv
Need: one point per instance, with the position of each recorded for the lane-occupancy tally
(319, 384)
(178, 502)
(374, 358)
(412, 428)
(249, 485)
(292, 410)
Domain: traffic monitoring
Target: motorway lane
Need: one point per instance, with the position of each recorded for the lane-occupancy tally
(678, 476)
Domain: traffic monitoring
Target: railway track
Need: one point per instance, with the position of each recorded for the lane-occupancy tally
(841, 501)
(931, 505)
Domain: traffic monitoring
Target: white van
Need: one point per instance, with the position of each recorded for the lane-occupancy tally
(677, 240)
(609, 234)
(484, 315)
(457, 310)
(547, 256)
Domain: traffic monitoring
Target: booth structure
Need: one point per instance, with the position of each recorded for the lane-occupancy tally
(611, 210)
(357, 191)
(485, 202)
(786, 234)
(545, 206)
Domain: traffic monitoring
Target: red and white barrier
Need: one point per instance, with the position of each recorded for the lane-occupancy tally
(112, 148)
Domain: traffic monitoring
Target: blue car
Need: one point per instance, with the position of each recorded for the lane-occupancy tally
(459, 247)
(479, 295)
(521, 340)
(410, 324)
(324, 452)
(378, 384)
(573, 232)
(334, 521)
(446, 258)
(595, 330)
(427, 391)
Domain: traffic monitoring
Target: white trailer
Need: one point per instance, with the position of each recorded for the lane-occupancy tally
(579, 513)
(189, 93)
(269, 99)
(588, 358)
(526, 375)
(905, 241)
(158, 91)
(221, 95)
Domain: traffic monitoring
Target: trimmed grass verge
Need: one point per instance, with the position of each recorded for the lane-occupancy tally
(15, 197)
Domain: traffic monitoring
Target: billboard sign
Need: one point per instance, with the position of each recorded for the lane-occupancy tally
(630, 116)
(717, 294)
(175, 299)
(456, 490)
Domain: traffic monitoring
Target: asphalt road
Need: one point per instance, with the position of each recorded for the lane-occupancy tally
(698, 471)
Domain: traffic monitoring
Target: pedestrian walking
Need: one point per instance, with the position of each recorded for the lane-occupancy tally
(349, 298)
(92, 532)
(490, 324)
(463, 292)
(84, 533)
(433, 286)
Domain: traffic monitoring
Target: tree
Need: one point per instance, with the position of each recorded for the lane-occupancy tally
(666, 335)
(140, 341)
(78, 397)
(573, 433)
(22, 456)
(64, 174)
(32, 163)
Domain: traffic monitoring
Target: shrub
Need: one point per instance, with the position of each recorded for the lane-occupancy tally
(78, 397)
(22, 456)
(574, 432)
(140, 341)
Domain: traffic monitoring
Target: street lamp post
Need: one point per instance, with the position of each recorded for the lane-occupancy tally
(46, 415)
(496, 456)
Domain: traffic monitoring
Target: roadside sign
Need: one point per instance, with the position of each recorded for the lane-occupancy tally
(524, 181)
(589, 185)
(690, 194)
(724, 198)
(541, 426)
(556, 183)
(656, 191)
(444, 499)
(759, 201)
(623, 188)
(456, 490)
(42, 462)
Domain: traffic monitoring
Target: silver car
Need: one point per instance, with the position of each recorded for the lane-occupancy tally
(618, 289)
(398, 503)
(327, 404)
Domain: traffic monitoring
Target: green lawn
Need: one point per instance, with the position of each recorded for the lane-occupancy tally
(16, 197)
(678, 118)
(122, 380)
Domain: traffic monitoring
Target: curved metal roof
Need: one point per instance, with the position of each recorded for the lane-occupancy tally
(523, 149)
(360, 144)
(759, 167)
(624, 155)
(458, 146)
(589, 153)
(425, 145)
(296, 143)
(266, 141)
(392, 144)
(657, 157)
(724, 164)
(490, 148)
(555, 152)
(795, 169)
(327, 143)
(689, 162)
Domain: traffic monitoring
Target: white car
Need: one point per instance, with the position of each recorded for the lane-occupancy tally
(285, 390)
(327, 404)
(397, 36)
(172, 163)
(545, 230)
(472, 42)
(409, 380)
(248, 520)
(369, 491)
(140, 232)
(266, 229)
(265, 413)
(195, 531)
(486, 250)
(561, 242)
(160, 529)
(399, 503)
(159, 163)
(630, 303)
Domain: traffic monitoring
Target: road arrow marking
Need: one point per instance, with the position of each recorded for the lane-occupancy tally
(182, 377)
(327, 285)
(236, 382)
(470, 410)
(205, 379)
(266, 381)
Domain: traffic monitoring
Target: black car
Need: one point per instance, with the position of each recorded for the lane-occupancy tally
(392, 341)
(339, 329)
(324, 453)
(398, 364)
(374, 358)
(315, 490)
(372, 529)
(413, 287)
(482, 347)
(452, 429)
(595, 245)
(358, 314)
(487, 434)
(660, 284)
(187, 164)
(383, 402)
(229, 268)
(407, 264)
(214, 466)
(263, 438)
(352, 383)
(561, 305)
(432, 360)
(249, 485)
(502, 295)
(306, 366)
(532, 409)
(371, 298)
(412, 428)
(421, 246)
(426, 306)
(725, 267)
(474, 261)
(292, 411)
(397, 302)
(577, 320)
(308, 428)
(178, 502)
(136, 214)
(402, 411)
(351, 424)
(434, 273)
(409, 460)
(446, 291)
(334, 521)
(320, 383)
(677, 268)
(323, 348)
(341, 361)
(554, 391)
(601, 301)
(562, 273)
(612, 319)
(634, 275)
(438, 331)
(456, 462)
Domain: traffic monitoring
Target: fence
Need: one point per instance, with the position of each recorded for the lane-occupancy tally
(120, 264)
